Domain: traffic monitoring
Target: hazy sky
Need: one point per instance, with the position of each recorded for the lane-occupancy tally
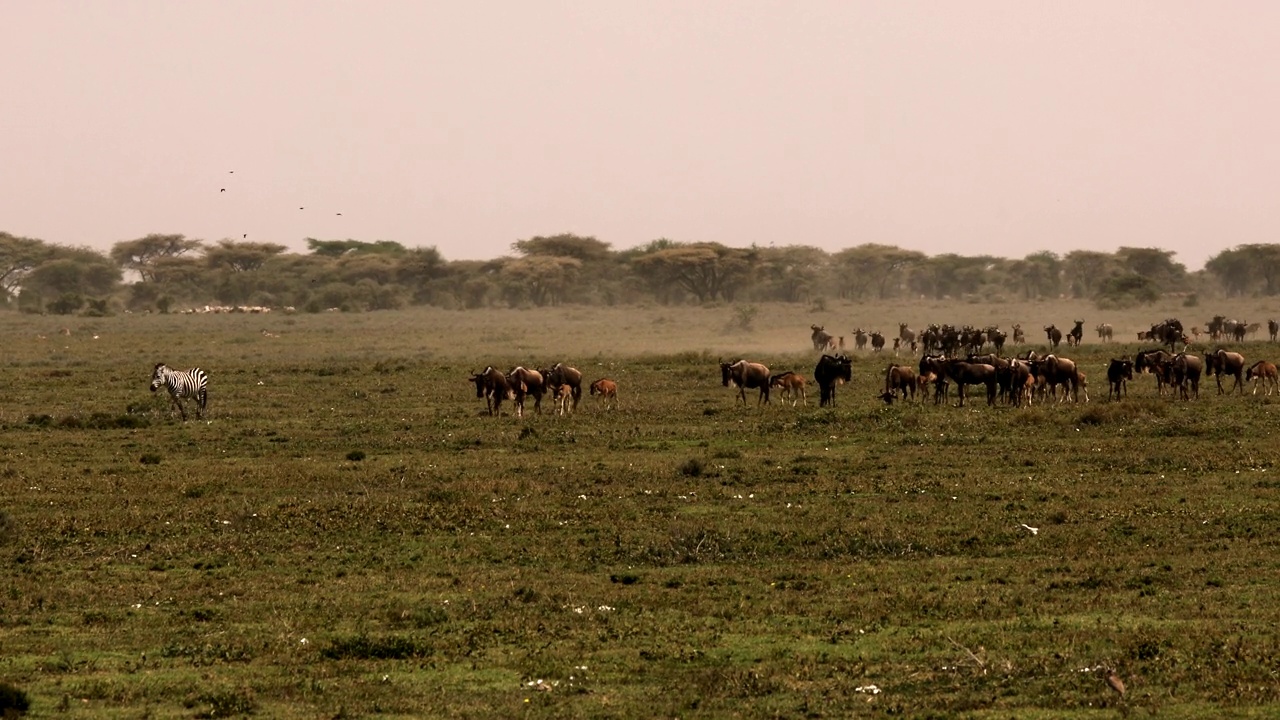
(997, 128)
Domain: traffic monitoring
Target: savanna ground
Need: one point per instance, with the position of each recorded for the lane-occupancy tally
(346, 534)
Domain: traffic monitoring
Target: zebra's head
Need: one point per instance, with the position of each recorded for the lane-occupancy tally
(158, 375)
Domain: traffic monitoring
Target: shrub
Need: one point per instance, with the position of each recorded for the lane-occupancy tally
(691, 468)
(363, 647)
(355, 455)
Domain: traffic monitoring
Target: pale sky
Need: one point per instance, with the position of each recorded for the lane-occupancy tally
(998, 128)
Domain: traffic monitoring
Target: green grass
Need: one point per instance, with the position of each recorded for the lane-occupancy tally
(346, 534)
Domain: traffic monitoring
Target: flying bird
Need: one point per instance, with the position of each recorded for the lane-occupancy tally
(244, 236)
(223, 190)
(339, 213)
(302, 208)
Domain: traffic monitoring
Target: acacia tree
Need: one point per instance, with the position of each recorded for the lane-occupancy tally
(63, 282)
(1244, 268)
(18, 257)
(874, 267)
(704, 270)
(1085, 270)
(791, 273)
(141, 255)
(1154, 264)
(240, 256)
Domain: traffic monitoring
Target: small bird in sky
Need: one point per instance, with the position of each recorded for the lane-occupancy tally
(302, 208)
(339, 213)
(244, 236)
(223, 190)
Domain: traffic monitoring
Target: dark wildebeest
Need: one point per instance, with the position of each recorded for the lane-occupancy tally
(1054, 334)
(1239, 331)
(935, 366)
(607, 390)
(1158, 363)
(1105, 332)
(746, 376)
(493, 387)
(967, 373)
(561, 374)
(822, 340)
(859, 339)
(1021, 382)
(1186, 372)
(1119, 372)
(1061, 371)
(899, 379)
(906, 334)
(525, 382)
(830, 370)
(792, 386)
(1273, 327)
(1265, 373)
(996, 337)
(1168, 333)
(1221, 362)
(1076, 334)
(877, 341)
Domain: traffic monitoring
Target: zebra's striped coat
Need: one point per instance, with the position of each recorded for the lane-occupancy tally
(193, 383)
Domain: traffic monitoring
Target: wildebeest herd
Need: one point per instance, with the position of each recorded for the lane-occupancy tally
(969, 356)
(964, 357)
(562, 382)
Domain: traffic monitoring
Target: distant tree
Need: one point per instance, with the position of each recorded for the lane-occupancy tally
(1038, 275)
(951, 275)
(338, 248)
(704, 270)
(18, 257)
(241, 256)
(142, 254)
(873, 268)
(72, 272)
(1127, 290)
(584, 248)
(1154, 264)
(542, 279)
(1247, 268)
(791, 273)
(1085, 270)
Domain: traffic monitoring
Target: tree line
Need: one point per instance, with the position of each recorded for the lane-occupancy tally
(166, 273)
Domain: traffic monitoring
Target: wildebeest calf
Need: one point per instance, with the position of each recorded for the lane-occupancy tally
(792, 386)
(1119, 372)
(607, 390)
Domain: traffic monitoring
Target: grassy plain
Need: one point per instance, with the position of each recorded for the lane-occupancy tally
(347, 535)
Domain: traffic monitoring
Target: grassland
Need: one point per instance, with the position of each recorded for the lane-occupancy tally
(347, 535)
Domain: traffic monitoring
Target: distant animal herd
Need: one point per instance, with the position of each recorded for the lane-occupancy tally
(965, 357)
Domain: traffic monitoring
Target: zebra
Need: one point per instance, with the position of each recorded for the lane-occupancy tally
(191, 383)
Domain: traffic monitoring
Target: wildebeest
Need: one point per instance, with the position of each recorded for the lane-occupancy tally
(607, 390)
(899, 379)
(1158, 363)
(967, 373)
(792, 386)
(1061, 371)
(935, 366)
(822, 340)
(1105, 332)
(859, 339)
(562, 396)
(746, 376)
(1021, 382)
(1054, 335)
(1265, 373)
(830, 370)
(877, 341)
(492, 385)
(1273, 328)
(1168, 333)
(1076, 334)
(1019, 336)
(1186, 374)
(1221, 362)
(1119, 372)
(561, 374)
(525, 382)
(906, 334)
